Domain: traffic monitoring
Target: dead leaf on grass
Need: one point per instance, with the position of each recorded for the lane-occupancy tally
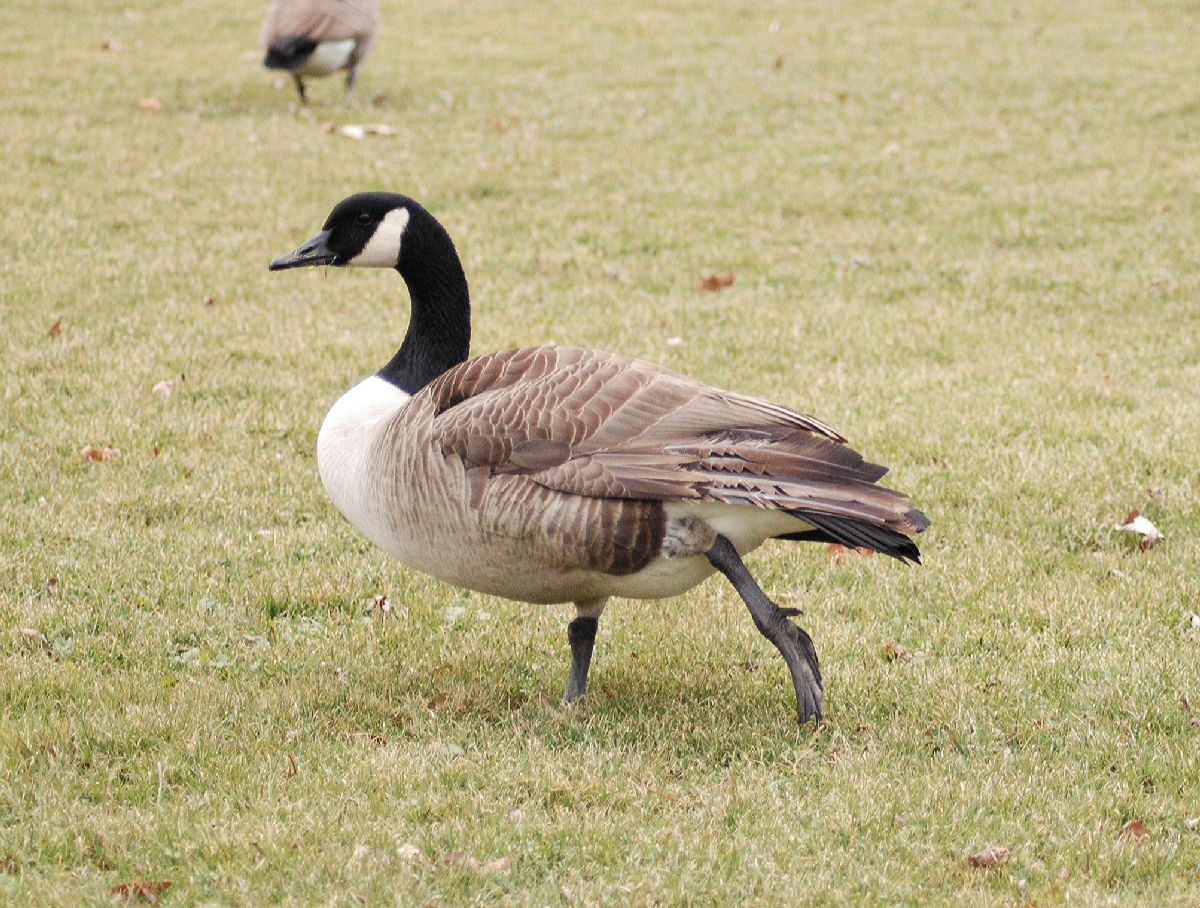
(1193, 719)
(145, 890)
(1136, 522)
(91, 452)
(992, 856)
(164, 388)
(459, 859)
(381, 604)
(150, 103)
(498, 865)
(838, 553)
(35, 637)
(409, 853)
(110, 44)
(894, 652)
(292, 770)
(362, 130)
(376, 739)
(1192, 824)
(437, 700)
(717, 281)
(56, 328)
(462, 859)
(1134, 829)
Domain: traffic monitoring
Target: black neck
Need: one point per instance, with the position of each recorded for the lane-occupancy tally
(439, 328)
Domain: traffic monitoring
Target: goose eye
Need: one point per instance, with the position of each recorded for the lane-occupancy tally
(364, 218)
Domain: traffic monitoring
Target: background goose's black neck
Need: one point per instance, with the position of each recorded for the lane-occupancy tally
(439, 328)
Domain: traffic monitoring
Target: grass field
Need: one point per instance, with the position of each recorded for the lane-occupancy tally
(965, 234)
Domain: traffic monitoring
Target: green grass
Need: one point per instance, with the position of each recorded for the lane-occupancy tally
(963, 233)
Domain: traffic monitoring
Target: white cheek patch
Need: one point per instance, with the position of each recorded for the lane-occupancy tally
(383, 249)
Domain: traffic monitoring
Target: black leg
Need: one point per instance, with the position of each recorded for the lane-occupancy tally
(792, 641)
(581, 633)
(300, 88)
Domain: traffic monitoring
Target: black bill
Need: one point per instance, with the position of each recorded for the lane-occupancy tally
(313, 252)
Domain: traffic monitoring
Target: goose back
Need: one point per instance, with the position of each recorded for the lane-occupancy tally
(323, 21)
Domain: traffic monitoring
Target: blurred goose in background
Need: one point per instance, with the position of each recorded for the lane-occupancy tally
(554, 474)
(319, 37)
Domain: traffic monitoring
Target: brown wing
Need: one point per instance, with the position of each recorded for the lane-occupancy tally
(322, 20)
(605, 426)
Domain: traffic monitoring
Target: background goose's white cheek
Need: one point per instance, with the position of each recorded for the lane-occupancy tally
(383, 249)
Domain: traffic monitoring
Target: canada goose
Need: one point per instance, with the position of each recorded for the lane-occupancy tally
(554, 474)
(319, 37)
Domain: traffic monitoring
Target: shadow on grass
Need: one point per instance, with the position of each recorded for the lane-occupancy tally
(682, 716)
(221, 101)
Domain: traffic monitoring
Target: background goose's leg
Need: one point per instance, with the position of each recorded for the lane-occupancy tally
(300, 88)
(792, 641)
(351, 75)
(581, 633)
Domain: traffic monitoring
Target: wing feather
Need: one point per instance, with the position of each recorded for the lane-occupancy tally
(600, 425)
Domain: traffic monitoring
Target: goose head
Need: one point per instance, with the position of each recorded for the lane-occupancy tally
(366, 230)
(387, 230)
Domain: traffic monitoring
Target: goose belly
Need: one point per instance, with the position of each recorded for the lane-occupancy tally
(506, 568)
(424, 521)
(435, 533)
(514, 568)
(328, 57)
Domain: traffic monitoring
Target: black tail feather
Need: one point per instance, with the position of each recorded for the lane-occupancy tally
(856, 534)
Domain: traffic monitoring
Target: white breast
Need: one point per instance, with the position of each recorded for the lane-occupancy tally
(329, 57)
(344, 449)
